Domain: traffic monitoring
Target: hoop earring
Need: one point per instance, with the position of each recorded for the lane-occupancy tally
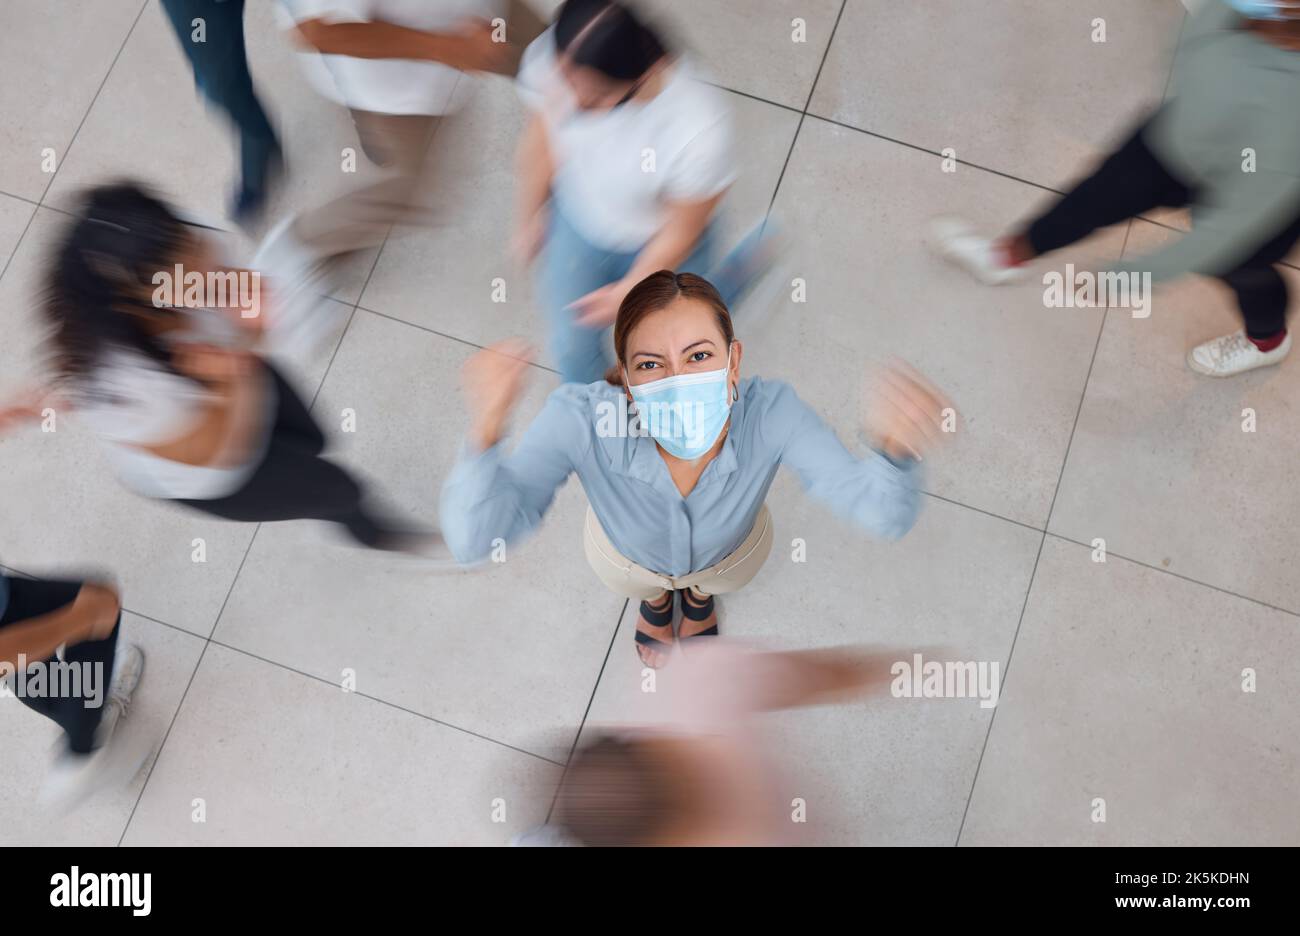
(735, 393)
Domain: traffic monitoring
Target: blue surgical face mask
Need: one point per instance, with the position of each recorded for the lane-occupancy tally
(1258, 9)
(685, 414)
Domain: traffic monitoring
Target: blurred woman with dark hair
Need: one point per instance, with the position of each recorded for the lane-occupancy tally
(677, 485)
(621, 170)
(185, 406)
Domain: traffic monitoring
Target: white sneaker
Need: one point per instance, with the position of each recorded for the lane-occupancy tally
(955, 241)
(128, 667)
(302, 316)
(1234, 354)
(116, 758)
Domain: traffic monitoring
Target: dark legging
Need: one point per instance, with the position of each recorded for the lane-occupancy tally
(30, 598)
(293, 481)
(1132, 180)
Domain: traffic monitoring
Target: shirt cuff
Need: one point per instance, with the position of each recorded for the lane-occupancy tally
(906, 463)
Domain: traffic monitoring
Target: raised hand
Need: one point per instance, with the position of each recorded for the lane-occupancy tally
(493, 379)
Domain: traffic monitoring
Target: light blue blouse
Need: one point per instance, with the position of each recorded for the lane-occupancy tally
(490, 495)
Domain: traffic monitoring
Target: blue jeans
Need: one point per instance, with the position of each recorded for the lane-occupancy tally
(571, 267)
(221, 73)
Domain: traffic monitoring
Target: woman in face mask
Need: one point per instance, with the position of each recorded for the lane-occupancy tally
(676, 454)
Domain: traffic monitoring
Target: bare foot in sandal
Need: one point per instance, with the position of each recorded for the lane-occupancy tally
(654, 631)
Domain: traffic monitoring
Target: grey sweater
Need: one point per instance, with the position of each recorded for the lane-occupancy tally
(1231, 91)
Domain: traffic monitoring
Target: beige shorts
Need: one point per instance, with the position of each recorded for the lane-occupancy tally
(625, 577)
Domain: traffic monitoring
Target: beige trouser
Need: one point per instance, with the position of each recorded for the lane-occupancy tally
(625, 577)
(400, 144)
(360, 219)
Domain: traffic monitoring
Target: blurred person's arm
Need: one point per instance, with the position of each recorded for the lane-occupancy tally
(28, 405)
(783, 680)
(534, 170)
(469, 48)
(684, 226)
(881, 492)
(490, 496)
(667, 250)
(90, 616)
(699, 176)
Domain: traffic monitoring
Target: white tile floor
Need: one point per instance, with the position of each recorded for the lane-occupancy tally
(1122, 679)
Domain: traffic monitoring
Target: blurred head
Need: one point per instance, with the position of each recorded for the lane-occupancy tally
(99, 287)
(605, 51)
(671, 324)
(618, 791)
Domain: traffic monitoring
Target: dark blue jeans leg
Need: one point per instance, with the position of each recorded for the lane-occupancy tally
(221, 73)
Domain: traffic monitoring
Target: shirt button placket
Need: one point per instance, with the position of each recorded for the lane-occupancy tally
(681, 538)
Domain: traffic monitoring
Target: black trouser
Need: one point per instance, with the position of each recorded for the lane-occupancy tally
(1132, 180)
(293, 481)
(30, 598)
(220, 66)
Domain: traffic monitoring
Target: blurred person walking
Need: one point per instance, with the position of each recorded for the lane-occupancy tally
(211, 34)
(61, 656)
(1227, 145)
(398, 66)
(692, 765)
(621, 170)
(187, 406)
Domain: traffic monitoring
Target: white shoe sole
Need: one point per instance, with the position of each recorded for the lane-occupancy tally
(1273, 358)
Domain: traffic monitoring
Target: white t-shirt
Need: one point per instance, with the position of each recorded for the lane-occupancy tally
(389, 86)
(132, 400)
(615, 170)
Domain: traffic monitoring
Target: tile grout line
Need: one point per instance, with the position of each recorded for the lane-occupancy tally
(1047, 524)
(587, 711)
(86, 116)
(434, 331)
(321, 679)
(754, 97)
(40, 202)
(22, 198)
(1033, 574)
(803, 115)
(184, 695)
(1178, 575)
(987, 513)
(18, 243)
(388, 703)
